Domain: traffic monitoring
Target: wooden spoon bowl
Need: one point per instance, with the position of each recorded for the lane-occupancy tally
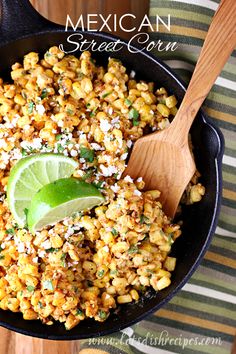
(164, 159)
(165, 164)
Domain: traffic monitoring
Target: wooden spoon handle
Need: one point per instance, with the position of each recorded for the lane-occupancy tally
(219, 44)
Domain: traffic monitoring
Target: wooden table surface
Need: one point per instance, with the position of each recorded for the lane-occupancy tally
(57, 10)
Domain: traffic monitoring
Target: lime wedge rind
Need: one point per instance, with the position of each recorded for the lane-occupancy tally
(55, 215)
(60, 199)
(30, 174)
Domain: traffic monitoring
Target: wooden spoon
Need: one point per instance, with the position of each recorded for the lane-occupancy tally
(164, 158)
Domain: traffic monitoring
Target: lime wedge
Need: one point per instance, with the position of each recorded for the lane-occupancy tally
(32, 173)
(60, 199)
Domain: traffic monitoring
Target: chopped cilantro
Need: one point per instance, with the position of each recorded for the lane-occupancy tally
(30, 107)
(40, 305)
(133, 249)
(113, 272)
(52, 250)
(80, 75)
(2, 256)
(70, 111)
(143, 219)
(68, 142)
(63, 259)
(58, 137)
(48, 54)
(23, 94)
(170, 239)
(142, 288)
(98, 184)
(79, 312)
(102, 314)
(87, 154)
(114, 232)
(135, 122)
(88, 105)
(30, 288)
(60, 148)
(128, 103)
(145, 238)
(106, 94)
(88, 174)
(48, 285)
(1, 248)
(134, 114)
(90, 283)
(10, 231)
(75, 288)
(24, 152)
(100, 273)
(92, 114)
(44, 93)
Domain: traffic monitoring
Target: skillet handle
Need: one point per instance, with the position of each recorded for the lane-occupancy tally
(19, 18)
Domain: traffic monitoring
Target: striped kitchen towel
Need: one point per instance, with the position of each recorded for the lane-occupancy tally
(202, 317)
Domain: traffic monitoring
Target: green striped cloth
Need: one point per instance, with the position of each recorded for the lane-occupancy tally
(202, 317)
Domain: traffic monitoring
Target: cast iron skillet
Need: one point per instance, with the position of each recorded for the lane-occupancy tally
(24, 30)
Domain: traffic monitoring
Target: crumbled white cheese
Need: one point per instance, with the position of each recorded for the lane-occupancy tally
(21, 247)
(124, 156)
(107, 158)
(110, 111)
(140, 179)
(37, 143)
(3, 143)
(26, 127)
(129, 143)
(106, 249)
(96, 147)
(70, 231)
(80, 173)
(105, 125)
(46, 244)
(115, 188)
(9, 125)
(41, 253)
(15, 119)
(108, 171)
(137, 192)
(74, 153)
(115, 120)
(16, 154)
(132, 74)
(35, 259)
(40, 109)
(128, 179)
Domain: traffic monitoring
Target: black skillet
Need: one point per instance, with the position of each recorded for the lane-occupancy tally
(24, 30)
